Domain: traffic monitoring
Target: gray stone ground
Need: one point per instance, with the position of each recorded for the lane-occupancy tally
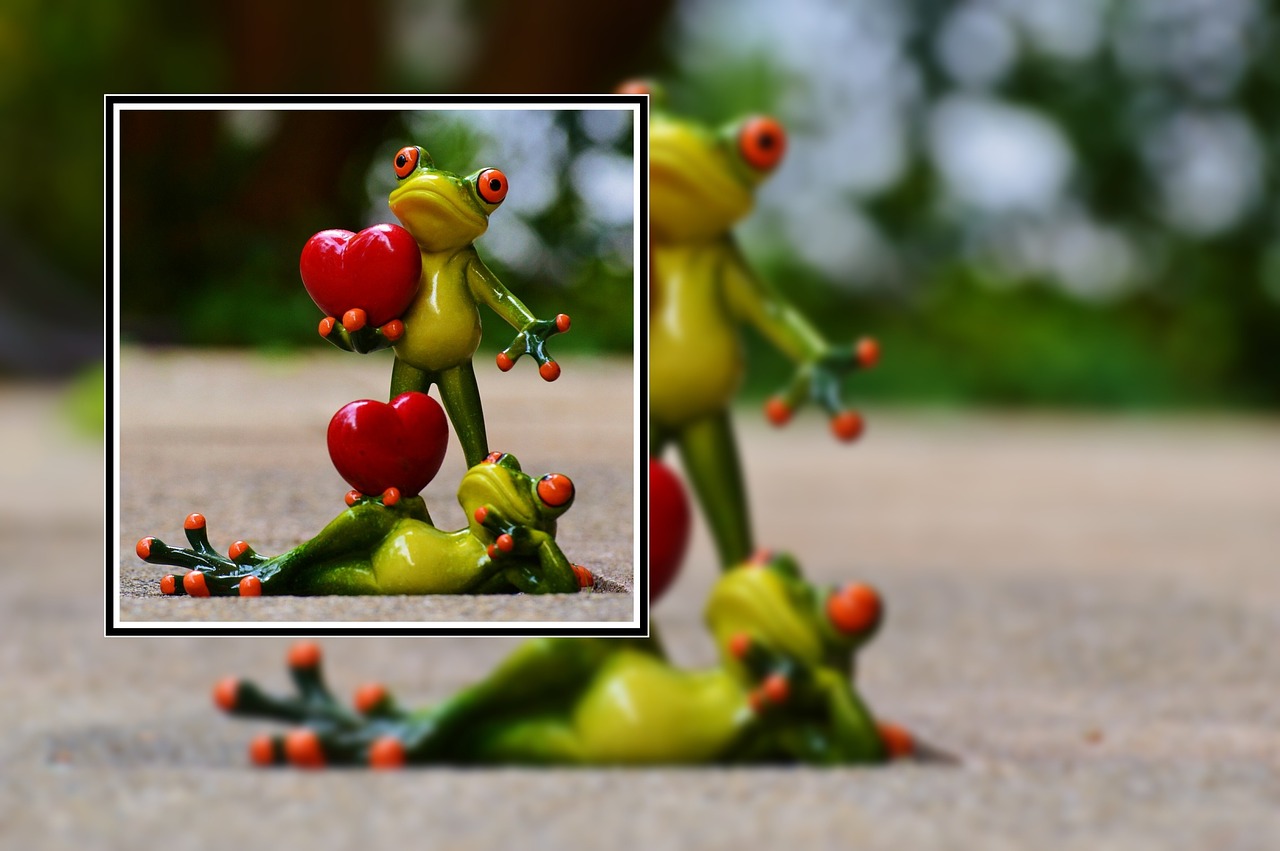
(1084, 610)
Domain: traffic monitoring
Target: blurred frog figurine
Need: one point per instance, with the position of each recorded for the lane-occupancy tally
(780, 693)
(701, 182)
(387, 544)
(433, 322)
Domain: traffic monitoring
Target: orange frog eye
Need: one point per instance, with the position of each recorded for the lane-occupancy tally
(555, 490)
(762, 142)
(406, 161)
(492, 185)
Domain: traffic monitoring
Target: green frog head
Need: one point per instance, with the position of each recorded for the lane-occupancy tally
(499, 484)
(442, 210)
(766, 603)
(702, 180)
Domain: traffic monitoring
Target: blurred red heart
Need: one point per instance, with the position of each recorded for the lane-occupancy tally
(376, 445)
(376, 270)
(668, 527)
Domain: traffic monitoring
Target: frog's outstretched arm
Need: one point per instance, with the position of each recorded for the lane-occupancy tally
(821, 367)
(531, 333)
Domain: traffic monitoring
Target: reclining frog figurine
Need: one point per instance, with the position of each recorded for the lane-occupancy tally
(782, 692)
(701, 183)
(387, 544)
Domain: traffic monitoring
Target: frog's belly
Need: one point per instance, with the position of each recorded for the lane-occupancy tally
(442, 326)
(640, 710)
(417, 558)
(692, 373)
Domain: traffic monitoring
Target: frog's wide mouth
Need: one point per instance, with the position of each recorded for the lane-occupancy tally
(695, 167)
(431, 193)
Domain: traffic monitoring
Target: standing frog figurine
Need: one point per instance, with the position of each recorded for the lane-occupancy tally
(701, 182)
(438, 333)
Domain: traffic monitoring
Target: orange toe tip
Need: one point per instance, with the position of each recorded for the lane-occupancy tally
(504, 362)
(368, 696)
(491, 551)
(354, 319)
(898, 740)
(481, 513)
(224, 693)
(847, 426)
(386, 753)
(549, 371)
(776, 688)
(351, 497)
(194, 521)
(143, 549)
(251, 586)
(169, 584)
(326, 326)
(303, 749)
(262, 750)
(194, 584)
(390, 496)
(777, 411)
(867, 350)
(586, 579)
(304, 654)
(739, 645)
(393, 330)
(562, 322)
(237, 549)
(505, 542)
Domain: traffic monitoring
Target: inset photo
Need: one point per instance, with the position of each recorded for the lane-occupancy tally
(377, 365)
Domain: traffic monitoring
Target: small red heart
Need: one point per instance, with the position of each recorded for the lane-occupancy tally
(376, 445)
(376, 270)
(668, 527)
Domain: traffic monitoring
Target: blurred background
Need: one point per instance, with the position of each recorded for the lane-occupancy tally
(1033, 202)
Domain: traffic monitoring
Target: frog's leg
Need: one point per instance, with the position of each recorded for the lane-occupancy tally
(501, 717)
(461, 399)
(710, 456)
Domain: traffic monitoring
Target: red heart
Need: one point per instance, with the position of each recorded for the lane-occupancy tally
(376, 445)
(668, 527)
(376, 270)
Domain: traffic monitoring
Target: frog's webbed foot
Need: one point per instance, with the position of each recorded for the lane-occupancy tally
(532, 340)
(354, 334)
(820, 380)
(242, 572)
(529, 558)
(376, 732)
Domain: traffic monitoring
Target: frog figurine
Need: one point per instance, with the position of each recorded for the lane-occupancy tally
(701, 182)
(387, 544)
(780, 693)
(438, 333)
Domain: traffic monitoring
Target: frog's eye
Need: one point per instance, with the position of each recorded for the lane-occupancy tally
(854, 609)
(492, 185)
(406, 161)
(555, 490)
(762, 142)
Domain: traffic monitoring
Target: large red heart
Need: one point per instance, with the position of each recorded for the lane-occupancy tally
(376, 270)
(668, 527)
(376, 445)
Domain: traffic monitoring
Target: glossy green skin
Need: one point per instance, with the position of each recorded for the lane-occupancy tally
(372, 548)
(702, 292)
(445, 214)
(609, 701)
